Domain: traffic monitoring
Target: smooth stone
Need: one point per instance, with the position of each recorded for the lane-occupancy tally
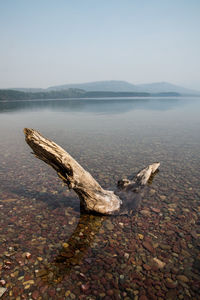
(146, 267)
(174, 254)
(65, 245)
(165, 247)
(67, 293)
(171, 284)
(67, 254)
(2, 282)
(148, 246)
(159, 263)
(141, 236)
(109, 226)
(169, 232)
(152, 192)
(28, 255)
(39, 258)
(145, 212)
(182, 278)
(40, 273)
(27, 287)
(126, 255)
(156, 210)
(85, 287)
(28, 282)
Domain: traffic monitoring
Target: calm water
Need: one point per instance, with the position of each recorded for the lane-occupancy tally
(153, 254)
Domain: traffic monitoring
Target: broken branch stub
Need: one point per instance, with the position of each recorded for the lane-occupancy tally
(92, 196)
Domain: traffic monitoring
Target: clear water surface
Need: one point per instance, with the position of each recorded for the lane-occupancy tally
(49, 250)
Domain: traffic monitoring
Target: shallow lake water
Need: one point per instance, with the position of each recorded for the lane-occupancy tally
(49, 250)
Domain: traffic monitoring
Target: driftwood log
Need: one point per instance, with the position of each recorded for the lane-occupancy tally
(92, 196)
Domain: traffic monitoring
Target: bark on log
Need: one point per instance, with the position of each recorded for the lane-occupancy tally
(92, 196)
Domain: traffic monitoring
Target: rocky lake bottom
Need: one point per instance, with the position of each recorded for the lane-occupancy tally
(49, 249)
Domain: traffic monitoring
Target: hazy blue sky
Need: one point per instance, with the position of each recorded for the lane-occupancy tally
(46, 42)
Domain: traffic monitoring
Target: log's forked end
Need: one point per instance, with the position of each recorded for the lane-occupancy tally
(141, 178)
(144, 175)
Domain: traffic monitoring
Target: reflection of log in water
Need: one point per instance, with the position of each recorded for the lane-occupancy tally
(74, 250)
(77, 250)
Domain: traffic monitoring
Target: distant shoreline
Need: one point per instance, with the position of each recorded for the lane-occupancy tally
(13, 95)
(99, 99)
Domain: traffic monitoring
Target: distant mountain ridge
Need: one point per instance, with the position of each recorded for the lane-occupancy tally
(100, 86)
(117, 86)
(164, 87)
(124, 86)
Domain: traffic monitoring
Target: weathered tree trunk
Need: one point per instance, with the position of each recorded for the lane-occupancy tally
(92, 196)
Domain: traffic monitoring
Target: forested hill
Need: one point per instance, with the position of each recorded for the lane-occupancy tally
(18, 95)
(11, 95)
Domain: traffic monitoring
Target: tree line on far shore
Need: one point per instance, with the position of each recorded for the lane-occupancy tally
(9, 95)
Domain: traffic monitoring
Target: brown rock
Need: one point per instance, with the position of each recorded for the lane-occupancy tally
(171, 284)
(146, 267)
(182, 278)
(145, 212)
(169, 232)
(156, 210)
(28, 255)
(35, 295)
(148, 246)
(159, 263)
(165, 247)
(109, 225)
(40, 273)
(2, 282)
(85, 287)
(67, 254)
